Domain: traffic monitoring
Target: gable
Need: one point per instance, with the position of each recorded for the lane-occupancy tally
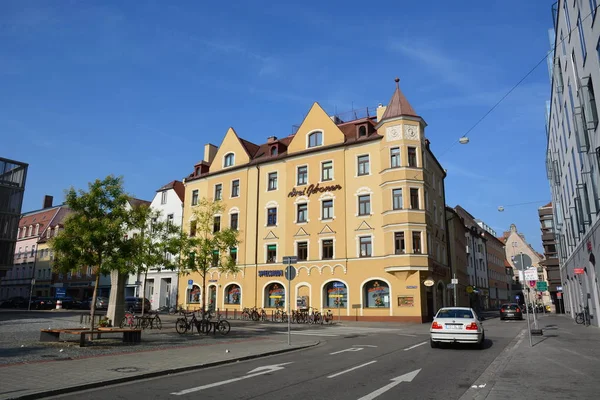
(231, 144)
(316, 120)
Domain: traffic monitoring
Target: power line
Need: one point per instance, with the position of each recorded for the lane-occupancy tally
(518, 83)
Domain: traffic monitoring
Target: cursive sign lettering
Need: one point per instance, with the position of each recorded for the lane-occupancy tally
(313, 189)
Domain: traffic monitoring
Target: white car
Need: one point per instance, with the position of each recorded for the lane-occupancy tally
(457, 325)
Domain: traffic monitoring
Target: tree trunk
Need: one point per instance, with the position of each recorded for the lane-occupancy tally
(144, 290)
(116, 302)
(93, 304)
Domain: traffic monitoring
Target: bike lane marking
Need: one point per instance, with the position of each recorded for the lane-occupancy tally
(351, 369)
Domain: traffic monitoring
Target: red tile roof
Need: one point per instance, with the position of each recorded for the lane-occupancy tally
(398, 105)
(177, 186)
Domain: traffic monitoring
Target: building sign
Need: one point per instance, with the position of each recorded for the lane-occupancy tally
(278, 272)
(412, 287)
(212, 280)
(406, 301)
(579, 271)
(313, 189)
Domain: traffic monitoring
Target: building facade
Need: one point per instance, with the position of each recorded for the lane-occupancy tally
(550, 261)
(161, 284)
(360, 203)
(13, 175)
(499, 277)
(573, 152)
(457, 243)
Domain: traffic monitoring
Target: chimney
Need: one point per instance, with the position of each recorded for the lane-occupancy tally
(271, 139)
(380, 111)
(210, 151)
(48, 201)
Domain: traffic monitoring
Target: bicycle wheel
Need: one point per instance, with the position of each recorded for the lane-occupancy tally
(157, 323)
(124, 323)
(579, 318)
(181, 326)
(203, 326)
(255, 316)
(224, 327)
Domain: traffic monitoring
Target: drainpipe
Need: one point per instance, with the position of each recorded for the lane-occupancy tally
(256, 237)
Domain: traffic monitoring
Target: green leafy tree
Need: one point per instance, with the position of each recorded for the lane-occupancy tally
(94, 233)
(208, 248)
(157, 242)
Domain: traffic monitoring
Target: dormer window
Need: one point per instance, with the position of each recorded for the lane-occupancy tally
(229, 160)
(315, 139)
(362, 131)
(274, 151)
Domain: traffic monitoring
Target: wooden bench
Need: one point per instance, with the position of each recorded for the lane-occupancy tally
(53, 335)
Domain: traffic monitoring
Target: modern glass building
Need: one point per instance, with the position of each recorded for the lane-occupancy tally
(12, 187)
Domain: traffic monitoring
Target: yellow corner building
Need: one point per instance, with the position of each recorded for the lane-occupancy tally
(360, 203)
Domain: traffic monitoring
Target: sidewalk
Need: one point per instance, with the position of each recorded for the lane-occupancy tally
(45, 378)
(564, 363)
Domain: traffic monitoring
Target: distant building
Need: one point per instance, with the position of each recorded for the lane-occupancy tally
(12, 187)
(458, 257)
(573, 152)
(550, 262)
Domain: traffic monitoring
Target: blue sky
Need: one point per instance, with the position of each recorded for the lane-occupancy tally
(91, 88)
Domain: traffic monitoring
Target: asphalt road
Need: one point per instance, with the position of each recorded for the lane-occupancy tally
(367, 364)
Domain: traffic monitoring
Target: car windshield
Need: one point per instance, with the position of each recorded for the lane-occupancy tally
(456, 313)
(510, 306)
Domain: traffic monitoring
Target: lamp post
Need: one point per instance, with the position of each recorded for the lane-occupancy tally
(526, 305)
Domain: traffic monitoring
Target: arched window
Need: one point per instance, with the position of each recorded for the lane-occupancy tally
(194, 294)
(274, 150)
(315, 139)
(362, 131)
(233, 294)
(377, 294)
(336, 295)
(30, 230)
(274, 295)
(229, 160)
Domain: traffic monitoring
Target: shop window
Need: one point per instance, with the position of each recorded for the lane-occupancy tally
(274, 295)
(377, 294)
(336, 295)
(233, 294)
(194, 294)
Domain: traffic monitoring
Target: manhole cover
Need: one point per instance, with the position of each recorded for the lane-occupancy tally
(126, 369)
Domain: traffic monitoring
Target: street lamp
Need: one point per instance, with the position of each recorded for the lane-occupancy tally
(463, 140)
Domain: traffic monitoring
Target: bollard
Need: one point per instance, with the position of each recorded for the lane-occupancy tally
(59, 304)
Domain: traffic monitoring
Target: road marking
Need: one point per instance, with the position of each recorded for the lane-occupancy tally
(364, 345)
(395, 381)
(351, 369)
(252, 329)
(406, 334)
(251, 374)
(350, 349)
(308, 334)
(416, 345)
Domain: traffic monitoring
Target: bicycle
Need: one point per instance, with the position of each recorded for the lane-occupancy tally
(152, 320)
(182, 325)
(583, 317)
(130, 320)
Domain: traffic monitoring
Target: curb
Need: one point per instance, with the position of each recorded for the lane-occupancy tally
(497, 366)
(94, 385)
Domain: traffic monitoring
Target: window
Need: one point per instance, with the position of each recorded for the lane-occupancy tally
(30, 230)
(195, 197)
(302, 251)
(235, 188)
(232, 294)
(567, 19)
(271, 253)
(362, 131)
(412, 156)
(336, 295)
(581, 37)
(302, 214)
(229, 160)
(163, 197)
(376, 294)
(302, 175)
(37, 229)
(218, 192)
(414, 198)
(233, 254)
(194, 294)
(315, 139)
(217, 223)
(215, 258)
(363, 165)
(365, 246)
(32, 251)
(89, 271)
(193, 226)
(327, 171)
(395, 157)
(272, 181)
(364, 204)
(327, 250)
(274, 295)
(591, 106)
(399, 243)
(170, 219)
(272, 216)
(274, 151)
(397, 199)
(416, 237)
(233, 221)
(327, 209)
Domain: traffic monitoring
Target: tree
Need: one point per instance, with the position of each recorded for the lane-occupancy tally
(208, 246)
(155, 244)
(93, 234)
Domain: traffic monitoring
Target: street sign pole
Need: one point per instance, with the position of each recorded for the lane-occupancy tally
(455, 282)
(290, 274)
(527, 306)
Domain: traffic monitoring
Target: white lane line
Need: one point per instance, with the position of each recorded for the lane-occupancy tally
(307, 334)
(351, 369)
(416, 345)
(406, 334)
(363, 345)
(252, 329)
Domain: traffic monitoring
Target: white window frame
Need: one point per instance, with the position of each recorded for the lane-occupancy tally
(232, 154)
(420, 205)
(372, 236)
(357, 165)
(360, 192)
(308, 135)
(231, 196)
(275, 205)
(401, 198)
(399, 157)
(321, 218)
(163, 197)
(266, 249)
(215, 190)
(307, 248)
(321, 247)
(197, 192)
(332, 171)
(276, 181)
(298, 175)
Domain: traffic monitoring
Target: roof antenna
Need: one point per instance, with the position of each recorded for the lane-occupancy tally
(397, 80)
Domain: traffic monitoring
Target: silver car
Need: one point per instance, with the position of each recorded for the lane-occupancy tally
(457, 325)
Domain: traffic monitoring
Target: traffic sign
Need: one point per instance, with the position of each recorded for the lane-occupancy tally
(190, 282)
(290, 260)
(454, 281)
(559, 295)
(450, 286)
(542, 286)
(532, 284)
(338, 285)
(290, 272)
(517, 297)
(526, 261)
(579, 271)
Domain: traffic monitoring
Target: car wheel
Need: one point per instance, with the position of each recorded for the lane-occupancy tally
(481, 344)
(433, 344)
(502, 318)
